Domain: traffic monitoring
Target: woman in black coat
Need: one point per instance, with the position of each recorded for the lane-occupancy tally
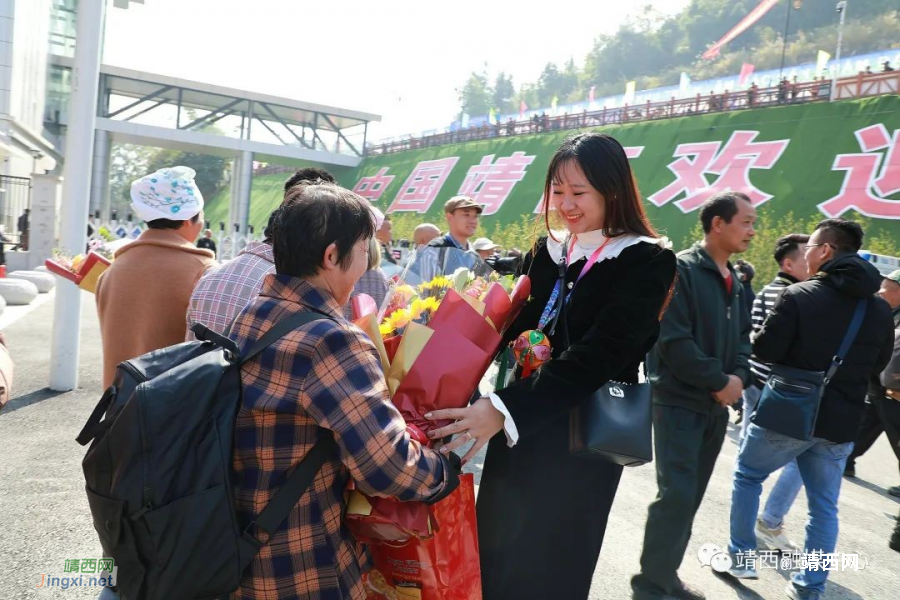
(542, 512)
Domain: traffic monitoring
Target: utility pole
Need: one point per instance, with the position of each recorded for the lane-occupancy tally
(797, 5)
(64, 353)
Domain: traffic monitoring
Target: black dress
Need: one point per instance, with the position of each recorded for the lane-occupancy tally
(541, 512)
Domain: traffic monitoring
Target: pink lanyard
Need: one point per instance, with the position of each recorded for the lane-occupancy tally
(591, 261)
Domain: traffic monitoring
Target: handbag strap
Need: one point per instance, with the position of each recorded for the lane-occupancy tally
(855, 323)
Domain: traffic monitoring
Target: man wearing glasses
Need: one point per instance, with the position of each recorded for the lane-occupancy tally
(804, 331)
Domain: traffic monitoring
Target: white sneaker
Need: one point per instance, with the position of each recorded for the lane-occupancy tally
(743, 572)
(773, 539)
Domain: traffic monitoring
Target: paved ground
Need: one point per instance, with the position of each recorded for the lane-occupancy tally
(44, 517)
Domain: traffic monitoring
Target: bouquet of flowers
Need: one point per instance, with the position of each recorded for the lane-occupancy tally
(438, 330)
(82, 269)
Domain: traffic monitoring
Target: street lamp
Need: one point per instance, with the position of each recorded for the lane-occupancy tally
(797, 5)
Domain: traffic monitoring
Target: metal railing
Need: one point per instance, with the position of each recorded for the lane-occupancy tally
(783, 94)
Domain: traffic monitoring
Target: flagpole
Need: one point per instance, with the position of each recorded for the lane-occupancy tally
(791, 7)
(841, 8)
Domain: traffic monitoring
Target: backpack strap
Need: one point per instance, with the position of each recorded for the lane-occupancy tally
(855, 323)
(284, 500)
(282, 328)
(280, 505)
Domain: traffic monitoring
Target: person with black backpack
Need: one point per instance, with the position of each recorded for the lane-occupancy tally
(219, 466)
(324, 379)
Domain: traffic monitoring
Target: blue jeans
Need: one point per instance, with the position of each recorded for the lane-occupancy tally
(782, 496)
(821, 465)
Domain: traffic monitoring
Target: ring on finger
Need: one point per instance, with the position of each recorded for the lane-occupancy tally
(469, 436)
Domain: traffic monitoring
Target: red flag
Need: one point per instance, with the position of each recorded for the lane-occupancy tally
(746, 72)
(752, 17)
(522, 108)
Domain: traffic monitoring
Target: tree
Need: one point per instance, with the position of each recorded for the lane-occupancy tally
(476, 96)
(504, 93)
(210, 169)
(127, 163)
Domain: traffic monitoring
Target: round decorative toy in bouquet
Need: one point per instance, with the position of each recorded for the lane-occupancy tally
(531, 349)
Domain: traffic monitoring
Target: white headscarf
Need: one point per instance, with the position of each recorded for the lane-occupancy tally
(167, 194)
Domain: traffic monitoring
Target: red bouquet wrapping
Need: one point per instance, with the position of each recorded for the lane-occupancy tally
(437, 338)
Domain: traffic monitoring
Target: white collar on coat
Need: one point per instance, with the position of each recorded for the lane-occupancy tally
(588, 242)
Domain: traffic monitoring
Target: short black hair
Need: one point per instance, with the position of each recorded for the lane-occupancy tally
(723, 204)
(308, 174)
(170, 223)
(313, 216)
(746, 269)
(787, 245)
(845, 236)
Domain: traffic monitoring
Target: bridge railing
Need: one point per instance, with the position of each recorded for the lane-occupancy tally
(783, 94)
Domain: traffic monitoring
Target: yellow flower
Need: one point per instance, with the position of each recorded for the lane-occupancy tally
(398, 319)
(436, 287)
(421, 309)
(385, 329)
(77, 261)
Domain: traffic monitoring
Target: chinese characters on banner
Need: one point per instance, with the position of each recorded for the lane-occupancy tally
(870, 177)
(490, 184)
(423, 185)
(373, 187)
(701, 169)
(732, 163)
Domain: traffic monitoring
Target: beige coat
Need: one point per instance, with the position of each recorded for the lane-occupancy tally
(142, 299)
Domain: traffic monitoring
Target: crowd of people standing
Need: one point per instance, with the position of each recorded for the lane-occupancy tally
(609, 294)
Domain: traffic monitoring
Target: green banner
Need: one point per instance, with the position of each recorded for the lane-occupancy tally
(828, 159)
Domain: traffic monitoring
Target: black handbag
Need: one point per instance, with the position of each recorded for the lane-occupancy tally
(615, 423)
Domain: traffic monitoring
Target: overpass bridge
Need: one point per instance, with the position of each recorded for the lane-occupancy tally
(167, 112)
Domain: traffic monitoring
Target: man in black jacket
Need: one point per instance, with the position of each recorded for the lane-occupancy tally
(792, 268)
(804, 331)
(698, 368)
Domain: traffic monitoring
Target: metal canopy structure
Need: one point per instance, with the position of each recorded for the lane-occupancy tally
(278, 128)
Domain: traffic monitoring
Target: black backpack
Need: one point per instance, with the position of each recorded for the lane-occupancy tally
(159, 471)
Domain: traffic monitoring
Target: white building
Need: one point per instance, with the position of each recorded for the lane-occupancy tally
(24, 148)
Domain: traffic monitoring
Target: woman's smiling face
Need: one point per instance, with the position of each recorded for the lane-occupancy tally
(581, 207)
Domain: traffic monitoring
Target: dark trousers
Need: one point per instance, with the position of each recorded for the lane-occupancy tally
(880, 414)
(687, 444)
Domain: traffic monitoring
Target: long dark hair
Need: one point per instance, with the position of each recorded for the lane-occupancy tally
(603, 160)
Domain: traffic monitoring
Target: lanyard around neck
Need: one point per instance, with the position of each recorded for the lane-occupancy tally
(595, 256)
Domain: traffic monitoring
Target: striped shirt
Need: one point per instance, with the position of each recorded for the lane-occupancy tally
(762, 308)
(223, 292)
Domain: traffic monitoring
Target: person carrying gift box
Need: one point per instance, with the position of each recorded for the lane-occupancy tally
(323, 379)
(142, 298)
(614, 275)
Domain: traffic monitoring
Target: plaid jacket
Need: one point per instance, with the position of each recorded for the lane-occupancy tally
(223, 292)
(326, 373)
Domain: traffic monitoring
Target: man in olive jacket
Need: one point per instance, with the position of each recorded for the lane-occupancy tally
(699, 367)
